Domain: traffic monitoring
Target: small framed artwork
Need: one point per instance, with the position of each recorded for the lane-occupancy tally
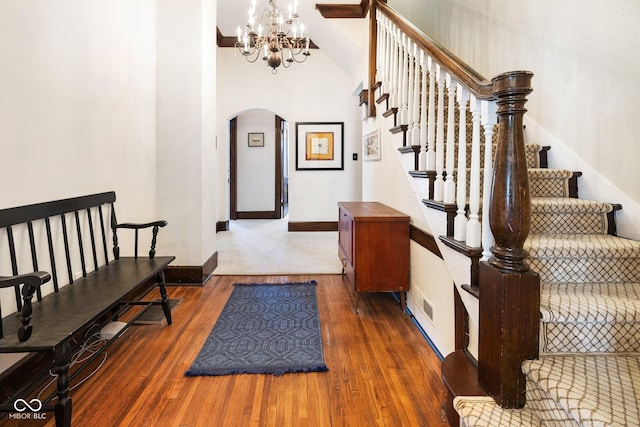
(256, 139)
(371, 146)
(320, 146)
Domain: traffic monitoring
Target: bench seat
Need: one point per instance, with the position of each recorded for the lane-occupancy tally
(80, 303)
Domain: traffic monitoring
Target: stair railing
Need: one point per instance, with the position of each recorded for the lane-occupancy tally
(429, 90)
(425, 82)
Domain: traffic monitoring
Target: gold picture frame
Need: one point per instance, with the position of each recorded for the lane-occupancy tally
(319, 146)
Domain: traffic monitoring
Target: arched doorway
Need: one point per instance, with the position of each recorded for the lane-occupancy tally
(258, 165)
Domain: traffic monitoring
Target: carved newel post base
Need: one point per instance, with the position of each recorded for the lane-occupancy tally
(509, 327)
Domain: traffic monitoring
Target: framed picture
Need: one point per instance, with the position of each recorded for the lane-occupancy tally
(371, 146)
(256, 139)
(319, 146)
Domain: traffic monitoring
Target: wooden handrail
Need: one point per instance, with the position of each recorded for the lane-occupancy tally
(477, 84)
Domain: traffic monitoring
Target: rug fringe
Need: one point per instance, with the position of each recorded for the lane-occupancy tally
(310, 282)
(275, 371)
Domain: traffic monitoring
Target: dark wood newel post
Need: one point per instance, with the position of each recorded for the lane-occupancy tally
(509, 292)
(510, 208)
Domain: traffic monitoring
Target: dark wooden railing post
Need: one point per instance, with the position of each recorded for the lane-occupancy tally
(509, 292)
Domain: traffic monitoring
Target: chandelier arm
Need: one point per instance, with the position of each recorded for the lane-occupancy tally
(251, 56)
(271, 42)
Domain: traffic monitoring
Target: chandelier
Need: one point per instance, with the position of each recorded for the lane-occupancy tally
(278, 40)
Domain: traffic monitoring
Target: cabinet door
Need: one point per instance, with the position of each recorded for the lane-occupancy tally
(345, 234)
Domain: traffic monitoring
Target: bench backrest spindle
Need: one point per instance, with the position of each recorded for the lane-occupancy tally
(34, 255)
(80, 245)
(65, 237)
(93, 240)
(14, 265)
(52, 258)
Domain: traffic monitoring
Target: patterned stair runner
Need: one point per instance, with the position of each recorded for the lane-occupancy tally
(590, 304)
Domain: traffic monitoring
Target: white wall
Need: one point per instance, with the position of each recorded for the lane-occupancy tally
(256, 166)
(584, 56)
(77, 110)
(386, 181)
(316, 91)
(186, 123)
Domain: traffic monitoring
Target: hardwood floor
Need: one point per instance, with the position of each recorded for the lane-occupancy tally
(382, 371)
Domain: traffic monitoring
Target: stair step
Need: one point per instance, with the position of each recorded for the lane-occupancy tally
(554, 215)
(590, 317)
(484, 412)
(550, 182)
(589, 390)
(584, 258)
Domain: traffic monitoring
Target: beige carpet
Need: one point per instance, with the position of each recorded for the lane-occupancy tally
(266, 247)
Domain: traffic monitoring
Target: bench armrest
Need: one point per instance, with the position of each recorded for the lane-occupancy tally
(34, 280)
(135, 226)
(31, 282)
(140, 226)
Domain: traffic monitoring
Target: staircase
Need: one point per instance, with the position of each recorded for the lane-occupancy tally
(587, 369)
(588, 372)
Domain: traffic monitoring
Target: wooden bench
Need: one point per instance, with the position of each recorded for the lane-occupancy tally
(82, 288)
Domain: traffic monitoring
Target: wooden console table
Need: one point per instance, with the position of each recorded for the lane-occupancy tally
(373, 241)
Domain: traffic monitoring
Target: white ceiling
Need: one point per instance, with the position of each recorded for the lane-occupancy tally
(233, 13)
(344, 40)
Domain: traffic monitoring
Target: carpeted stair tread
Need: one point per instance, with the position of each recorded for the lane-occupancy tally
(590, 302)
(594, 390)
(590, 318)
(566, 204)
(549, 182)
(484, 412)
(569, 215)
(584, 258)
(580, 246)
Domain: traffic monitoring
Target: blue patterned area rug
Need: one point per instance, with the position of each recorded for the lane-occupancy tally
(264, 329)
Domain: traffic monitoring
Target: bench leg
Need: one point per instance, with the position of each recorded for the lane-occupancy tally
(63, 407)
(166, 307)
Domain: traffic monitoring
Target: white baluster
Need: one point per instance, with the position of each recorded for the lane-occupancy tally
(488, 119)
(431, 118)
(438, 189)
(410, 92)
(474, 228)
(415, 140)
(385, 60)
(423, 111)
(394, 69)
(403, 81)
(450, 183)
(460, 222)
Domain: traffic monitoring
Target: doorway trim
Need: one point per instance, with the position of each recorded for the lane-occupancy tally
(279, 202)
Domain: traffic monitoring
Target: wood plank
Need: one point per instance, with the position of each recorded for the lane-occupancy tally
(381, 370)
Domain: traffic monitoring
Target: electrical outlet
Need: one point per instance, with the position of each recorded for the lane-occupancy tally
(355, 156)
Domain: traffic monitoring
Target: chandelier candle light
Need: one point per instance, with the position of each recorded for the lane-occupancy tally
(280, 41)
